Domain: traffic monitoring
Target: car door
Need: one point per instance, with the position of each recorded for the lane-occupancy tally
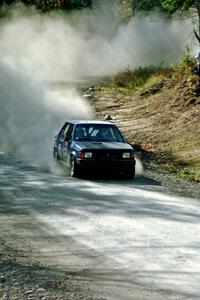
(60, 140)
(66, 145)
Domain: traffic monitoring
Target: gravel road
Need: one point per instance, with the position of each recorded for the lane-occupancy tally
(64, 238)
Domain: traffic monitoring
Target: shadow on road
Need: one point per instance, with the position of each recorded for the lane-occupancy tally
(63, 216)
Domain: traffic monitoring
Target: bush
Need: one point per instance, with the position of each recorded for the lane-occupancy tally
(138, 77)
(186, 58)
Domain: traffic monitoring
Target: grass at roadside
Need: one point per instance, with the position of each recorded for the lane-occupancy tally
(144, 76)
(140, 76)
(188, 170)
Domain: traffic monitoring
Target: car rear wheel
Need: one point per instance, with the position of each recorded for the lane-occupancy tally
(74, 169)
(55, 155)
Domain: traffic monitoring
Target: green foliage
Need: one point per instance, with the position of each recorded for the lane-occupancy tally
(46, 5)
(173, 5)
(71, 4)
(186, 57)
(137, 77)
(190, 174)
(147, 5)
(185, 5)
(168, 5)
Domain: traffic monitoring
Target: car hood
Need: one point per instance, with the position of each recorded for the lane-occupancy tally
(104, 145)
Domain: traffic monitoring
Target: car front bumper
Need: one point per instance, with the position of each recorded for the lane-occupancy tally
(104, 165)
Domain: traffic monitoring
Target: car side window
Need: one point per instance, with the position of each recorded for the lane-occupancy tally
(68, 132)
(61, 133)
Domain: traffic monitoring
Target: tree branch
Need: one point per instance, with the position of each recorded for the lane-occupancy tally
(197, 36)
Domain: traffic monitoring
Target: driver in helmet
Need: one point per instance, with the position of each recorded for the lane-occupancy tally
(79, 133)
(104, 133)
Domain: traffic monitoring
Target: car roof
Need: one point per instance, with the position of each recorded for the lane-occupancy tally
(75, 122)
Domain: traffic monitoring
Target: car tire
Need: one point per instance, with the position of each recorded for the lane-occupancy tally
(74, 169)
(130, 174)
(55, 155)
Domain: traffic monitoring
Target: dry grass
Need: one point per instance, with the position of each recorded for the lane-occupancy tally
(139, 76)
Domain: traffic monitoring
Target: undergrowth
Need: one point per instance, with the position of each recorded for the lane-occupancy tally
(139, 76)
(142, 75)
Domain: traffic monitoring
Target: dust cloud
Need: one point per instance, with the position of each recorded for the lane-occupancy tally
(31, 114)
(37, 48)
(89, 43)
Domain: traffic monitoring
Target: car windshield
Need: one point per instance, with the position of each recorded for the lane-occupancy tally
(97, 132)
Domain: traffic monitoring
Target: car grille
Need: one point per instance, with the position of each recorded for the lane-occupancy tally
(107, 155)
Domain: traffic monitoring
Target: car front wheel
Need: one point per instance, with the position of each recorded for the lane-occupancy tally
(74, 169)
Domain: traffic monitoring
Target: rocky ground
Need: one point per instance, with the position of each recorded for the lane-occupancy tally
(21, 278)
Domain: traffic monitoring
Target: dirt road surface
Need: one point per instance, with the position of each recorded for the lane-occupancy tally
(66, 238)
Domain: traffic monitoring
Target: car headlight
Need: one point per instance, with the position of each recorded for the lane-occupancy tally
(83, 155)
(126, 155)
(88, 155)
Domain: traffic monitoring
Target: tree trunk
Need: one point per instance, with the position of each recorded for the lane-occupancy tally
(198, 13)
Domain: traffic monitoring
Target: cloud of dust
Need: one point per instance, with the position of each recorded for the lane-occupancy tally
(31, 114)
(139, 170)
(37, 48)
(89, 43)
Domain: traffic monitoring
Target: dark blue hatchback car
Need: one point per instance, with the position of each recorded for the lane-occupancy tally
(94, 146)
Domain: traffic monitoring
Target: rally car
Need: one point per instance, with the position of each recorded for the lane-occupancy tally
(94, 146)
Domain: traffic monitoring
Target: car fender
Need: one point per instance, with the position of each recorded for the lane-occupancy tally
(73, 155)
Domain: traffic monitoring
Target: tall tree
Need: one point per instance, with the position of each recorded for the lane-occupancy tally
(193, 6)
